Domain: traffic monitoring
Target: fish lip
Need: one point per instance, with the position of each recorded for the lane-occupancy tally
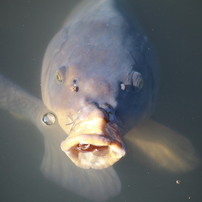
(106, 150)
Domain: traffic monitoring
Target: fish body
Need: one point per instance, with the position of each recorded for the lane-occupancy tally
(99, 78)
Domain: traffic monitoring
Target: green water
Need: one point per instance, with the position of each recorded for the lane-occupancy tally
(26, 27)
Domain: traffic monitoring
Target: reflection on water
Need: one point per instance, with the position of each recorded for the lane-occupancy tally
(27, 27)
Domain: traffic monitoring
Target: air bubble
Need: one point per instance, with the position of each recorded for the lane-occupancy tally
(49, 119)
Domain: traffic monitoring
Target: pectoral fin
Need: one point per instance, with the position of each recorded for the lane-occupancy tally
(162, 146)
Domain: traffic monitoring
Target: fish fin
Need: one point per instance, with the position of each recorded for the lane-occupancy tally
(17, 116)
(96, 185)
(19, 103)
(164, 147)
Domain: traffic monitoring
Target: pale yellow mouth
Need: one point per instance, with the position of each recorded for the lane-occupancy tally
(92, 149)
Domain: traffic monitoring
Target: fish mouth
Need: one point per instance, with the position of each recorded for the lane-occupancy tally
(96, 146)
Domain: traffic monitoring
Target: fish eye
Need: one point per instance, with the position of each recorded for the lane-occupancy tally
(59, 77)
(60, 74)
(138, 81)
(134, 84)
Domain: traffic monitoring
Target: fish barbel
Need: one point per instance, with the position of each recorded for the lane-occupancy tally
(99, 78)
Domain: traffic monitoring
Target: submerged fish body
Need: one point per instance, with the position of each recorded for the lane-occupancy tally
(99, 78)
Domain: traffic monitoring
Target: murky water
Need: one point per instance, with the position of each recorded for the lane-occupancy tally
(174, 27)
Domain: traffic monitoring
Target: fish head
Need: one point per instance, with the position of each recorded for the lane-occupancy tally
(85, 109)
(90, 74)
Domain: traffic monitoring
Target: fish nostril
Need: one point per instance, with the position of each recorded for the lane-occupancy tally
(74, 87)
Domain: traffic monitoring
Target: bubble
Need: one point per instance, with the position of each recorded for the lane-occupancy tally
(49, 119)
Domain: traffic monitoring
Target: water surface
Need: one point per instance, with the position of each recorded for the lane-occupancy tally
(174, 27)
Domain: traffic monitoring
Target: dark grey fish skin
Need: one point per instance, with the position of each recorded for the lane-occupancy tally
(98, 61)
